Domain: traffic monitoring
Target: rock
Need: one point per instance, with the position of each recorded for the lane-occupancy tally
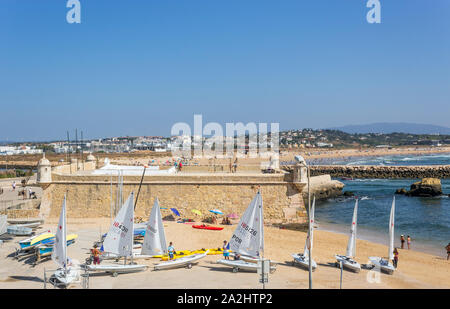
(348, 193)
(401, 191)
(428, 187)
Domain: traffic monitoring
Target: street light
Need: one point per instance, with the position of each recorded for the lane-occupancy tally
(302, 161)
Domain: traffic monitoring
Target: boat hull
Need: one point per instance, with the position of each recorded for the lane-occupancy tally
(348, 263)
(186, 261)
(62, 278)
(243, 265)
(19, 230)
(382, 264)
(303, 262)
(116, 268)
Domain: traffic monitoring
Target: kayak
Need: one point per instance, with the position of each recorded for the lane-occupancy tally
(178, 255)
(207, 227)
(46, 247)
(213, 251)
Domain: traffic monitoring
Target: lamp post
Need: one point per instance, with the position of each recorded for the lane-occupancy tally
(302, 161)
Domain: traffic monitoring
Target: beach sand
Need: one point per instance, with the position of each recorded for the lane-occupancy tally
(415, 270)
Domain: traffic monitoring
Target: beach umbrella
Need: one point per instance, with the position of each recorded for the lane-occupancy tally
(197, 212)
(233, 216)
(216, 211)
(175, 211)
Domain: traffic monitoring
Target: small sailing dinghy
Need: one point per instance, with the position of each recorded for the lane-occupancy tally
(186, 261)
(302, 259)
(18, 230)
(383, 264)
(119, 241)
(65, 274)
(155, 238)
(347, 260)
(155, 243)
(248, 238)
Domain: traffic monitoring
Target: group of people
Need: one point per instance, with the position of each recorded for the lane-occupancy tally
(402, 240)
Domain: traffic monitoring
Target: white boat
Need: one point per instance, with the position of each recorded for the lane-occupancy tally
(347, 260)
(116, 269)
(155, 238)
(302, 259)
(18, 230)
(32, 225)
(119, 241)
(186, 261)
(65, 274)
(244, 265)
(248, 238)
(66, 277)
(251, 259)
(385, 265)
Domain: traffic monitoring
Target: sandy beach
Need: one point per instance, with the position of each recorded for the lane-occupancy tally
(416, 270)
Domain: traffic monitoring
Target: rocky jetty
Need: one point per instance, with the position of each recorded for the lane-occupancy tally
(384, 172)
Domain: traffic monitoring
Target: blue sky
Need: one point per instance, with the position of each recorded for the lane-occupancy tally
(137, 67)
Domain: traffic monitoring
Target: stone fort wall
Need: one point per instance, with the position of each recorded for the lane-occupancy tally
(90, 196)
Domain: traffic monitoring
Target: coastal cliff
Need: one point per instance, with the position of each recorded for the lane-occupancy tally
(390, 172)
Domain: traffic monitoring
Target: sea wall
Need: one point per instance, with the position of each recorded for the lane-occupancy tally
(323, 187)
(394, 172)
(94, 196)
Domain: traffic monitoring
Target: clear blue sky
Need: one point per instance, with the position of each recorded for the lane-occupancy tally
(137, 67)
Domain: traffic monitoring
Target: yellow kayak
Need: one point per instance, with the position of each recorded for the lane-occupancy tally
(41, 237)
(179, 254)
(213, 251)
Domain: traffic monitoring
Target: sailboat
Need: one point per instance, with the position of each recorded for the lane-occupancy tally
(248, 238)
(155, 238)
(347, 260)
(119, 241)
(302, 259)
(383, 264)
(155, 243)
(65, 274)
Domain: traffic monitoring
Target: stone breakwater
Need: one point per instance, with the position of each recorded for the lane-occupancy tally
(384, 172)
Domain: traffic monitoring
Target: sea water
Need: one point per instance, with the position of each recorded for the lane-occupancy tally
(392, 160)
(426, 220)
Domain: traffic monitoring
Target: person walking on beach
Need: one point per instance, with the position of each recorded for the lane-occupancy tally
(448, 251)
(226, 253)
(171, 251)
(96, 253)
(402, 240)
(409, 241)
(235, 165)
(395, 257)
(14, 186)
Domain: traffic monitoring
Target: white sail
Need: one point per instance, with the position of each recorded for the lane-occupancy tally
(310, 231)
(3, 224)
(351, 246)
(391, 231)
(59, 253)
(248, 238)
(155, 239)
(119, 239)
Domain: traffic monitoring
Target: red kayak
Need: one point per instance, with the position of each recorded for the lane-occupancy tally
(207, 227)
